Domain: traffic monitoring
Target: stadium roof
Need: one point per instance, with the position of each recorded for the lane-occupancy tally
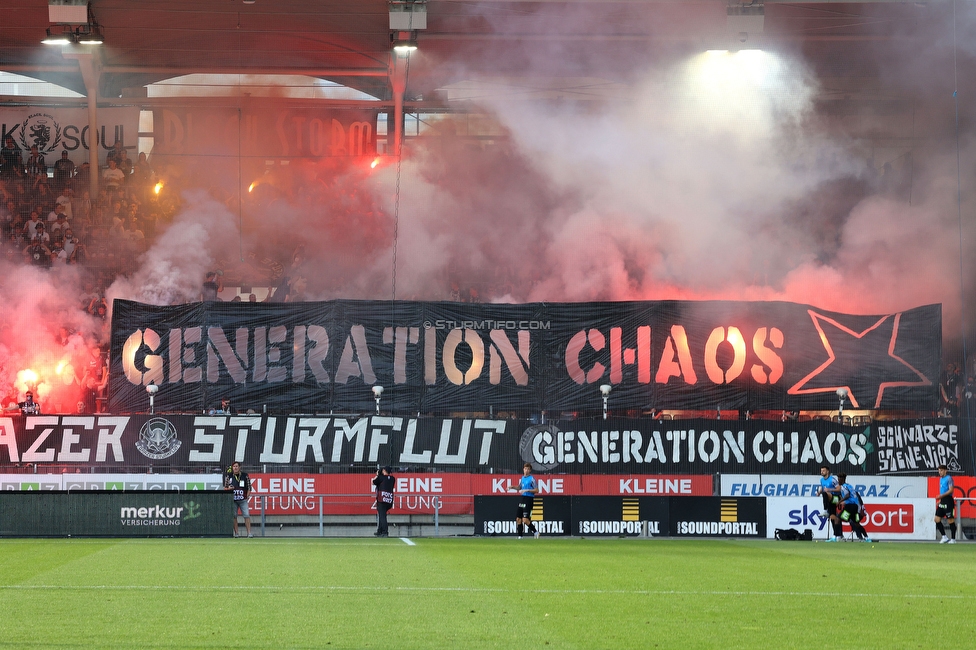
(349, 41)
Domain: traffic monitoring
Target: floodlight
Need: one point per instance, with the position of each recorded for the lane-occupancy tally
(152, 389)
(841, 395)
(90, 35)
(605, 391)
(404, 47)
(58, 36)
(377, 391)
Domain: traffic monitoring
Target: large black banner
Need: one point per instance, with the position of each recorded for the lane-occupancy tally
(435, 357)
(310, 443)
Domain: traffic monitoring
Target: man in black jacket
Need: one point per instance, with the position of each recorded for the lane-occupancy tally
(385, 485)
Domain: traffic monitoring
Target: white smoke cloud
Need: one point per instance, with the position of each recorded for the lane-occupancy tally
(173, 269)
(680, 191)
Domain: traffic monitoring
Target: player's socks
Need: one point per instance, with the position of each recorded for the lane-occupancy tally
(532, 527)
(519, 528)
(939, 527)
(952, 530)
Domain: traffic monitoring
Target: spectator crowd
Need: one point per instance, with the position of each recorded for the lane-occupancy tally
(48, 219)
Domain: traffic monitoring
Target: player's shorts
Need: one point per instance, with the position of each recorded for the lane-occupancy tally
(946, 508)
(829, 501)
(524, 510)
(241, 507)
(850, 512)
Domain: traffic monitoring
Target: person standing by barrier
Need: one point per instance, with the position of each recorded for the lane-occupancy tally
(240, 483)
(385, 484)
(829, 491)
(945, 510)
(527, 489)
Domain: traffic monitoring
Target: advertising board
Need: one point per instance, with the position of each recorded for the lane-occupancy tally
(112, 513)
(632, 517)
(892, 518)
(718, 517)
(448, 493)
(495, 516)
(620, 516)
(789, 485)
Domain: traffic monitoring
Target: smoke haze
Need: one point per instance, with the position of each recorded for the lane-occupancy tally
(718, 176)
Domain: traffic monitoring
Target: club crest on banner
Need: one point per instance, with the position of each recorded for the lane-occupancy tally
(158, 439)
(40, 130)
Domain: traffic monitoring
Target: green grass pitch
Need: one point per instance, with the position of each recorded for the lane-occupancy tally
(449, 593)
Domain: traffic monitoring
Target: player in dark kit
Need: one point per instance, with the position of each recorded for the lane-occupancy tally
(945, 510)
(850, 508)
(527, 489)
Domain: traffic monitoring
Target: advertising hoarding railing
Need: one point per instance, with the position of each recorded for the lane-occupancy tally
(629, 516)
(32, 512)
(110, 513)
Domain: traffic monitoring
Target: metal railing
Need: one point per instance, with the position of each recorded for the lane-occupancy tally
(358, 510)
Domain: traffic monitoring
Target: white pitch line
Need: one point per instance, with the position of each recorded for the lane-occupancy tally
(487, 590)
(408, 541)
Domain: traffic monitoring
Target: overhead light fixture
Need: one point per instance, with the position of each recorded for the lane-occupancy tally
(404, 47)
(404, 42)
(58, 36)
(407, 17)
(66, 35)
(90, 35)
(75, 23)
